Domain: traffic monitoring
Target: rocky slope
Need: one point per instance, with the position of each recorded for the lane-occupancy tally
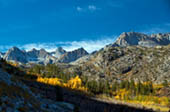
(127, 63)
(15, 96)
(133, 56)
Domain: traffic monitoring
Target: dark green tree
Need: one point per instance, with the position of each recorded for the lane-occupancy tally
(165, 83)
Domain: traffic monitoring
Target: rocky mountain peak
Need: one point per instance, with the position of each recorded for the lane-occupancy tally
(58, 52)
(60, 49)
(135, 38)
(42, 50)
(33, 50)
(130, 38)
(14, 49)
(80, 52)
(73, 55)
(15, 54)
(81, 49)
(39, 56)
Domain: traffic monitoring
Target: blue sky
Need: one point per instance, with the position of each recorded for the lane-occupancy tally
(78, 23)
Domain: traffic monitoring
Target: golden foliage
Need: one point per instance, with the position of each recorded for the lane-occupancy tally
(122, 94)
(73, 83)
(151, 101)
(15, 64)
(51, 81)
(154, 102)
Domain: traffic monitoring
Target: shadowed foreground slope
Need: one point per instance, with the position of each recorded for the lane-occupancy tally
(82, 102)
(48, 97)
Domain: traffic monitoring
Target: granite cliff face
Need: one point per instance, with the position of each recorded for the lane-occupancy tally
(134, 38)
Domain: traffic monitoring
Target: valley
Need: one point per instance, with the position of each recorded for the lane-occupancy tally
(84, 55)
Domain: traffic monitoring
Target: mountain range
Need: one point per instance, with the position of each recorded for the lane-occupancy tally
(42, 56)
(62, 56)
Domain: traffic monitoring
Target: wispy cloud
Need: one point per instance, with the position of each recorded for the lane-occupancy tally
(89, 45)
(92, 7)
(89, 8)
(79, 9)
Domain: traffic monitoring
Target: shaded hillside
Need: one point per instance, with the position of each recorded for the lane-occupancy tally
(83, 102)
